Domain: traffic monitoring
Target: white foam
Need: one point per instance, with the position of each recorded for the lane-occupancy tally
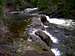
(57, 21)
(45, 26)
(32, 31)
(56, 51)
(29, 40)
(54, 39)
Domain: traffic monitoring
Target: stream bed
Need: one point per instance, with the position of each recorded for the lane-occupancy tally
(54, 28)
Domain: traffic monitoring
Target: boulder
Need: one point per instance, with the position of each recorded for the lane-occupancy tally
(44, 20)
(44, 37)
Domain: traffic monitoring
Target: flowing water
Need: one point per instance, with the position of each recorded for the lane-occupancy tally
(54, 29)
(56, 35)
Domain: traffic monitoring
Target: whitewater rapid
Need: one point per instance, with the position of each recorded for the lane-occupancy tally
(54, 39)
(61, 22)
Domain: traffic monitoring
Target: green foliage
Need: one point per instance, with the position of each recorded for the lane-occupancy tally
(22, 4)
(1, 7)
(65, 8)
(42, 4)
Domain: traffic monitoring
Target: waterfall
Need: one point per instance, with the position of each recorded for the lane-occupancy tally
(56, 21)
(61, 22)
(56, 51)
(38, 25)
(54, 39)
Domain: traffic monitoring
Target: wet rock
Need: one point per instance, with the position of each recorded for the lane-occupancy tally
(44, 37)
(44, 20)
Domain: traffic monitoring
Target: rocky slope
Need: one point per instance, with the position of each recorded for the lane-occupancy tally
(43, 36)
